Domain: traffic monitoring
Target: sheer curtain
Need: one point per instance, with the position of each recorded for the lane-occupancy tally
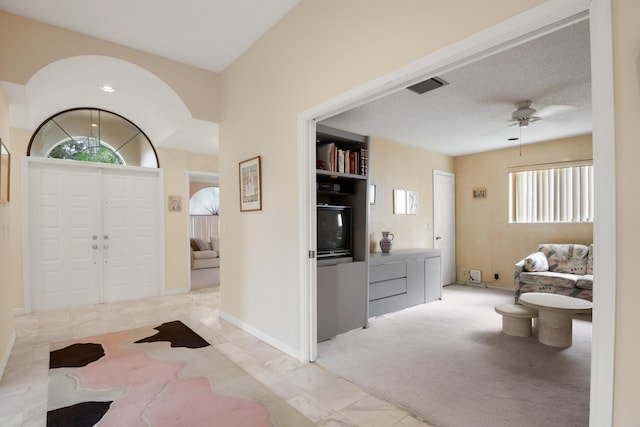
(552, 195)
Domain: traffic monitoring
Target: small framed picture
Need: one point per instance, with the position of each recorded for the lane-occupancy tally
(399, 202)
(480, 193)
(175, 203)
(412, 202)
(250, 185)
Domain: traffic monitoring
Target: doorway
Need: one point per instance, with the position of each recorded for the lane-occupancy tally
(444, 223)
(204, 224)
(541, 19)
(94, 234)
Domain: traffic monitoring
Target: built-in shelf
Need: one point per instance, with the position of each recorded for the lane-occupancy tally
(343, 283)
(340, 174)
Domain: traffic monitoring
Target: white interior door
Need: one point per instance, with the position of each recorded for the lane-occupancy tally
(94, 235)
(444, 222)
(64, 217)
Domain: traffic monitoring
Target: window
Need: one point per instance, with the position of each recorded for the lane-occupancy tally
(86, 149)
(558, 194)
(93, 135)
(205, 201)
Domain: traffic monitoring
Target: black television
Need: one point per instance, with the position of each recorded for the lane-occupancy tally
(334, 231)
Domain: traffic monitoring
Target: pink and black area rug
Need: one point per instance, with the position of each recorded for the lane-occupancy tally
(166, 375)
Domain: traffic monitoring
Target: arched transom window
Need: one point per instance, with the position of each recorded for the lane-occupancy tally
(93, 135)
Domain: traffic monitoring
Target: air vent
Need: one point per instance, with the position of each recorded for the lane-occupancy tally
(428, 85)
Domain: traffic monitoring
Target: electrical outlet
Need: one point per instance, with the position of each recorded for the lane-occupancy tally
(496, 276)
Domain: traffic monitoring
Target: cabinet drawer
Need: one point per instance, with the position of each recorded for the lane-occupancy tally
(393, 270)
(387, 288)
(387, 305)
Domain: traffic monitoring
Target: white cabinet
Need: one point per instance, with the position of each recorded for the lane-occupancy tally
(402, 279)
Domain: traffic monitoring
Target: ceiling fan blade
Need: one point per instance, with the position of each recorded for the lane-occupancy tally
(552, 110)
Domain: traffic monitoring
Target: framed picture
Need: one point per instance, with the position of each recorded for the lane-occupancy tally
(250, 185)
(399, 202)
(412, 202)
(480, 193)
(175, 203)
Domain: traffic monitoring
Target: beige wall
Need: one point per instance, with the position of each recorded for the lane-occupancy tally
(626, 42)
(396, 166)
(195, 186)
(318, 51)
(27, 46)
(485, 240)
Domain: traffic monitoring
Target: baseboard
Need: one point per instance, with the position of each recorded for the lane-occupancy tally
(485, 285)
(7, 353)
(19, 311)
(296, 354)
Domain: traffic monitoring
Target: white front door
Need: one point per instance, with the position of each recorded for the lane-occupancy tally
(64, 222)
(130, 235)
(444, 222)
(94, 235)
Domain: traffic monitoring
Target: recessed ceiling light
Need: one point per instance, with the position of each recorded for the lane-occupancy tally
(107, 88)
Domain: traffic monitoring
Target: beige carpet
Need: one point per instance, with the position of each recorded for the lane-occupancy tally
(449, 363)
(205, 278)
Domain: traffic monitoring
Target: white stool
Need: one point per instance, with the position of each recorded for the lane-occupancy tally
(516, 319)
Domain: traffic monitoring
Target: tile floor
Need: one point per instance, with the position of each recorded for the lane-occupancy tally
(323, 397)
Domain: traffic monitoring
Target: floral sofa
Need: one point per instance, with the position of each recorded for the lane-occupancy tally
(565, 269)
(205, 254)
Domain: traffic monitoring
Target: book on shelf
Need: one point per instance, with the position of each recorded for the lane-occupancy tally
(326, 153)
(334, 159)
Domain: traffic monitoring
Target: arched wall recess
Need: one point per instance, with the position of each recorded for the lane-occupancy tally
(139, 95)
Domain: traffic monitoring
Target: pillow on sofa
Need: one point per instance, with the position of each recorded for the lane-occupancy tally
(215, 244)
(199, 245)
(537, 261)
(566, 257)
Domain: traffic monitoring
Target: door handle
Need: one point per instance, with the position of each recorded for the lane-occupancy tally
(438, 238)
(94, 247)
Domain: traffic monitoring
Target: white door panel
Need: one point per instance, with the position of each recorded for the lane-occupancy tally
(131, 224)
(93, 235)
(444, 228)
(63, 216)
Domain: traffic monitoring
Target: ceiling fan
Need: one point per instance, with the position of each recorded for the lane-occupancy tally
(524, 114)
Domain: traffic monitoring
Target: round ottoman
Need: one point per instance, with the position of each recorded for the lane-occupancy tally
(516, 319)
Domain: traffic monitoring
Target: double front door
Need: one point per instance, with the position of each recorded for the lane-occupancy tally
(94, 234)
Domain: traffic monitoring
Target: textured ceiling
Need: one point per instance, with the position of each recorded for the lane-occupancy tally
(471, 114)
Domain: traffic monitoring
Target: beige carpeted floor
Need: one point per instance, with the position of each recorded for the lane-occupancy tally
(205, 278)
(449, 363)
